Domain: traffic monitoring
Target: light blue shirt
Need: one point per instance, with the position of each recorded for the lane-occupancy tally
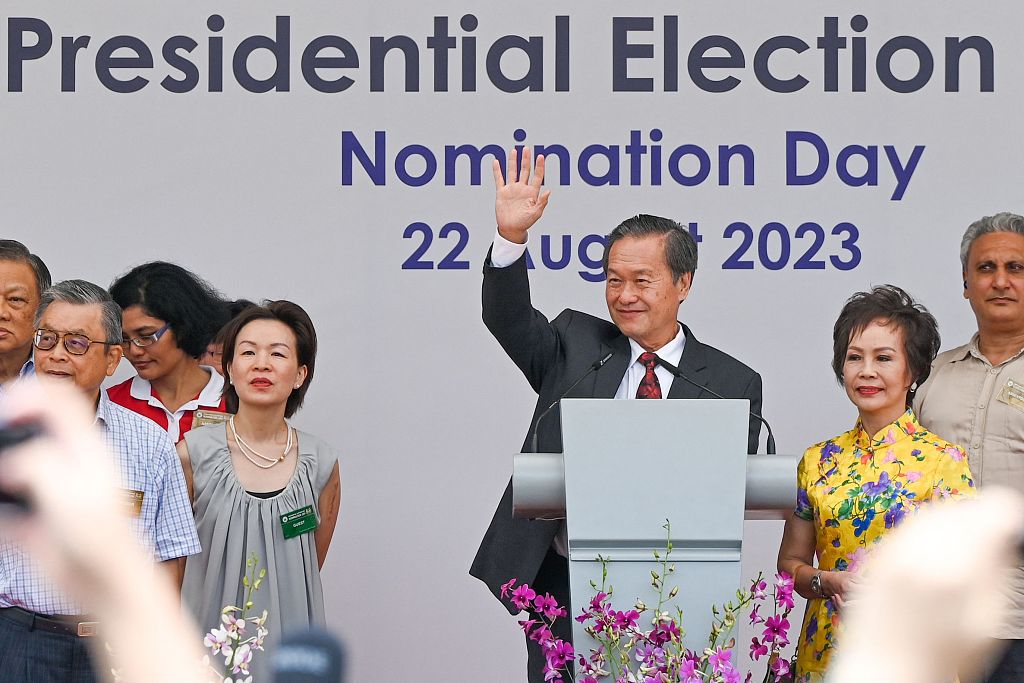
(27, 370)
(147, 462)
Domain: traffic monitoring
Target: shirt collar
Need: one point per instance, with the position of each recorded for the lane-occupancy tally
(210, 395)
(142, 390)
(895, 432)
(102, 410)
(901, 428)
(972, 349)
(671, 352)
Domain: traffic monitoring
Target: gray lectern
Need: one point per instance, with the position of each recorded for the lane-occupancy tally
(630, 465)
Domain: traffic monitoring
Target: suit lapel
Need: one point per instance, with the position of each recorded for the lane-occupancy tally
(694, 365)
(609, 377)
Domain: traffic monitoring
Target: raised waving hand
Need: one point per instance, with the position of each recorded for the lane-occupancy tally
(519, 201)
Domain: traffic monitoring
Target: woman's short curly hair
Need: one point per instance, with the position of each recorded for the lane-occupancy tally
(892, 306)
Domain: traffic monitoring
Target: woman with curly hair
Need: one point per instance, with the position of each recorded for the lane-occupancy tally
(854, 488)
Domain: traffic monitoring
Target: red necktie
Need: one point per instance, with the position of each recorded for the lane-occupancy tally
(649, 385)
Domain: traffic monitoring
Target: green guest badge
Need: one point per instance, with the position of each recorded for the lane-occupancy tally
(298, 522)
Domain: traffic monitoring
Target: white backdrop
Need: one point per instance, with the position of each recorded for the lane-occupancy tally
(248, 190)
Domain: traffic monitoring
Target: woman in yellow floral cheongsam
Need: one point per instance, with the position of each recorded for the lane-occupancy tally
(854, 488)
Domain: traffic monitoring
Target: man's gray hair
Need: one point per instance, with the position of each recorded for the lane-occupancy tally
(1001, 222)
(80, 293)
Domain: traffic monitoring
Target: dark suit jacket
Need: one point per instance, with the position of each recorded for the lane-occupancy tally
(553, 355)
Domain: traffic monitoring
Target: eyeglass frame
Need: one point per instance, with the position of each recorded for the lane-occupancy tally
(63, 337)
(152, 338)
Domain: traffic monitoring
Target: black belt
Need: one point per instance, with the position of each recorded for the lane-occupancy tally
(77, 626)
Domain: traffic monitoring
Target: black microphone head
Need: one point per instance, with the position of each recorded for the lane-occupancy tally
(313, 656)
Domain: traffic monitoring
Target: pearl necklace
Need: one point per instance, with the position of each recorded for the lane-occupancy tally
(246, 449)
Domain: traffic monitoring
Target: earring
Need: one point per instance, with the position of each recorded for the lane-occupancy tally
(913, 387)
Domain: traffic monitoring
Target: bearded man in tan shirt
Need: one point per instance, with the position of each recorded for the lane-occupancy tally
(975, 394)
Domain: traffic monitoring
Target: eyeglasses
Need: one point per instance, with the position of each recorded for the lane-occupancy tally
(147, 339)
(76, 344)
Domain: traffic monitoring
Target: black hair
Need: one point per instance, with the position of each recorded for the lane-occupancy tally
(191, 306)
(13, 250)
(892, 306)
(298, 321)
(680, 247)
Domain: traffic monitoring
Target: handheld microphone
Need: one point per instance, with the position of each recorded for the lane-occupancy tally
(594, 367)
(679, 373)
(313, 656)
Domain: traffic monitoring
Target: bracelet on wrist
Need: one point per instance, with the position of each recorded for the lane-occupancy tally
(816, 584)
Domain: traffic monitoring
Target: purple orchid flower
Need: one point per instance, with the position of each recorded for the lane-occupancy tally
(757, 649)
(776, 628)
(523, 596)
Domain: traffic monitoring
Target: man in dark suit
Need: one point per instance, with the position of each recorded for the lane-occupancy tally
(649, 263)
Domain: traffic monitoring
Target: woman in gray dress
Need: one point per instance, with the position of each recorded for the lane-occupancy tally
(247, 473)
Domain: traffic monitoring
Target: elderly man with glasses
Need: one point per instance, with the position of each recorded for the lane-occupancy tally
(42, 633)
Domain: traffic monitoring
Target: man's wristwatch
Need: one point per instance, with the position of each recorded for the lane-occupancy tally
(816, 584)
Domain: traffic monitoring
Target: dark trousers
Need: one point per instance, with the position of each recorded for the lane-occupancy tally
(31, 656)
(1010, 668)
(553, 577)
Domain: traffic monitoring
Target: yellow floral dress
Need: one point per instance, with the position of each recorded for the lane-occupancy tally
(855, 488)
